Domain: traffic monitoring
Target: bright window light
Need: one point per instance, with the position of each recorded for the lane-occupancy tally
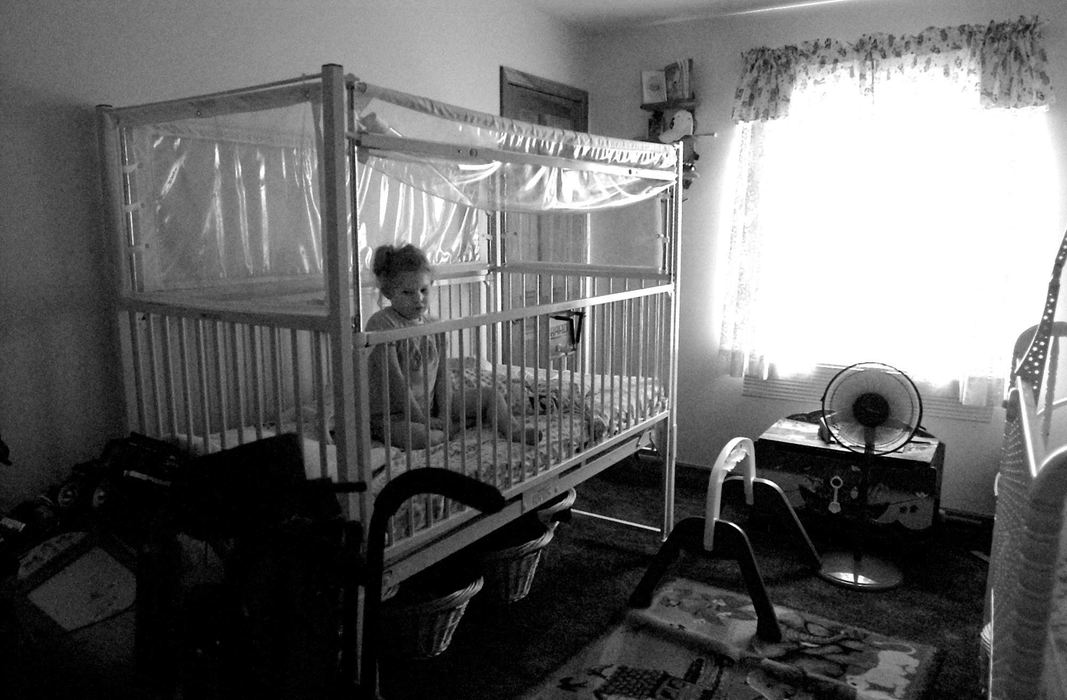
(916, 229)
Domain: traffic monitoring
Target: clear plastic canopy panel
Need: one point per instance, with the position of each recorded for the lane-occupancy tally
(225, 199)
(433, 164)
(235, 198)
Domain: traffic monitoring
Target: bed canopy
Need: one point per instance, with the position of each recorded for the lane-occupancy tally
(242, 224)
(229, 192)
(503, 165)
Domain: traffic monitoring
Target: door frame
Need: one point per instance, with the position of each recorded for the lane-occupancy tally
(511, 78)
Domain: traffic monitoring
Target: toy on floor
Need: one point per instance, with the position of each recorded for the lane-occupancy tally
(714, 537)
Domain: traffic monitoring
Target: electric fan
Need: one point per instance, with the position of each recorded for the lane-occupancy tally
(873, 409)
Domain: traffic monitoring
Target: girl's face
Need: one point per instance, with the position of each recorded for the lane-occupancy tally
(408, 293)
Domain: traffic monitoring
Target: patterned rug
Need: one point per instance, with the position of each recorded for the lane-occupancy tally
(698, 642)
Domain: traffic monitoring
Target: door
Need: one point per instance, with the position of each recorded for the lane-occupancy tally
(540, 101)
(560, 238)
(543, 237)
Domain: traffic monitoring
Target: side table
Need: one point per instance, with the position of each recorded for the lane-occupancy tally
(904, 486)
(824, 480)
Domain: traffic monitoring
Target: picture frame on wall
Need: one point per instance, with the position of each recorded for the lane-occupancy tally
(653, 86)
(676, 77)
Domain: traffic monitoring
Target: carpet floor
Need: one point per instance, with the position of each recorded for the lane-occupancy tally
(592, 566)
(581, 589)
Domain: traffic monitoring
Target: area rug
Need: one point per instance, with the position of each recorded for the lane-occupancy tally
(698, 642)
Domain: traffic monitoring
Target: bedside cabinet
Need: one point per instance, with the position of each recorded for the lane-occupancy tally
(827, 480)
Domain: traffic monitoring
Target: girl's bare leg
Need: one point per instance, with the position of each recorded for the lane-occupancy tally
(494, 411)
(421, 435)
(506, 423)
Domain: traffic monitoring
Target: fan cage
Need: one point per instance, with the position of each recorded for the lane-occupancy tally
(852, 382)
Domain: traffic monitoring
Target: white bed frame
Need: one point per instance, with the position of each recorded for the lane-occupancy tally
(230, 364)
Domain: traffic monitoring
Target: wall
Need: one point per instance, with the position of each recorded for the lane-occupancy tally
(59, 382)
(59, 378)
(711, 408)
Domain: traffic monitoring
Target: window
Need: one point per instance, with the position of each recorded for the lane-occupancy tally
(890, 216)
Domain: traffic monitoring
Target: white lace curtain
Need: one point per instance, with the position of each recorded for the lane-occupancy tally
(796, 104)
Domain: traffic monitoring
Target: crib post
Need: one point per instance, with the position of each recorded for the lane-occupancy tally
(673, 224)
(110, 147)
(337, 243)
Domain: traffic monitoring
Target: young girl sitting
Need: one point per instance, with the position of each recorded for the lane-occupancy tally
(408, 379)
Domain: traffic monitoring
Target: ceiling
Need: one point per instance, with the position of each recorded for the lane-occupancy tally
(617, 14)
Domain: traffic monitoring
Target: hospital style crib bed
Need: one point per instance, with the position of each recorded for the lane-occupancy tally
(242, 225)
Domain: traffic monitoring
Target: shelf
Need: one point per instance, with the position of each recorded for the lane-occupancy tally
(690, 103)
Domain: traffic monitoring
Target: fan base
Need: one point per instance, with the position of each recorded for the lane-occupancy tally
(860, 571)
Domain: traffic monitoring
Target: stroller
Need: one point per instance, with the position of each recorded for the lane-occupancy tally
(280, 617)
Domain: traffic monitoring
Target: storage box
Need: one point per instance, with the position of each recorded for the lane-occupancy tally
(902, 487)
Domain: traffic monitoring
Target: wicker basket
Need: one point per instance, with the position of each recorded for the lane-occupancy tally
(552, 512)
(510, 557)
(419, 621)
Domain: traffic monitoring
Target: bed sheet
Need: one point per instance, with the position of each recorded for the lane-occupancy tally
(572, 411)
(478, 452)
(615, 400)
(473, 452)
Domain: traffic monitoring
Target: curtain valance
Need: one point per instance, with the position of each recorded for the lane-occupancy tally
(1005, 60)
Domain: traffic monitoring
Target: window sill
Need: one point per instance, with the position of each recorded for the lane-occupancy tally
(809, 388)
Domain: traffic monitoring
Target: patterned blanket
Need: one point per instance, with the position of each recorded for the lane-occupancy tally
(699, 642)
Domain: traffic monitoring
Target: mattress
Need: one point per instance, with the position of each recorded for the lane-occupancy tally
(572, 411)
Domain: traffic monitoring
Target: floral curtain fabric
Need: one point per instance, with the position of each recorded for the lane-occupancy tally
(1006, 60)
(997, 66)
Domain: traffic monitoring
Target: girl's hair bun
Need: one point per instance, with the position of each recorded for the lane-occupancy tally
(389, 260)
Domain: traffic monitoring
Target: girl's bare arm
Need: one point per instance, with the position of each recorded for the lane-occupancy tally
(443, 398)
